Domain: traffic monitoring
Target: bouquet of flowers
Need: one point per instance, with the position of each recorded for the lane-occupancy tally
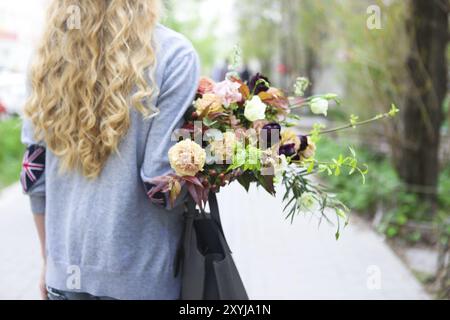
(244, 132)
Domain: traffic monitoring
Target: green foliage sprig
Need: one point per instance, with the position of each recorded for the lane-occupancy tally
(303, 195)
(354, 122)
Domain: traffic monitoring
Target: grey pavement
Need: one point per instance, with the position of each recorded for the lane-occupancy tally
(20, 260)
(277, 260)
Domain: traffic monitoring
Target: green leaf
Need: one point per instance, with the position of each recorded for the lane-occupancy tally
(208, 122)
(337, 171)
(337, 235)
(391, 231)
(352, 152)
(353, 120)
(245, 181)
(266, 182)
(394, 110)
(311, 166)
(341, 213)
(294, 116)
(330, 172)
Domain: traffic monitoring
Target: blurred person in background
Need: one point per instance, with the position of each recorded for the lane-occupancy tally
(2, 108)
(245, 73)
(220, 71)
(104, 99)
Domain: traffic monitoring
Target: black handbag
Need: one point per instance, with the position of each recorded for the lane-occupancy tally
(204, 260)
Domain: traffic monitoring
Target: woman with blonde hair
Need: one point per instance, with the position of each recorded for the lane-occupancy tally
(105, 96)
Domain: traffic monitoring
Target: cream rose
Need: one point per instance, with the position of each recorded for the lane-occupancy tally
(187, 158)
(255, 109)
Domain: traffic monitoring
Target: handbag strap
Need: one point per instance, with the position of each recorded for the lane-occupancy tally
(215, 215)
(214, 210)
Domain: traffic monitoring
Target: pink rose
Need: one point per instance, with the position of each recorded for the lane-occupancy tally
(228, 91)
(206, 85)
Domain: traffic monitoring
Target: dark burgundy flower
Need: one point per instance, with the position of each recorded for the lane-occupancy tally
(287, 149)
(269, 130)
(303, 146)
(303, 143)
(256, 86)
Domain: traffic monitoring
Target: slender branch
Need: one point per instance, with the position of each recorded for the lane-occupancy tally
(355, 124)
(302, 102)
(298, 106)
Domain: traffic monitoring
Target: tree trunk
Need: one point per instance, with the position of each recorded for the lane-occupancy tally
(290, 42)
(310, 66)
(423, 113)
(442, 280)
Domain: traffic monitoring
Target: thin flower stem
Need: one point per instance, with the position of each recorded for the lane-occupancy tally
(327, 163)
(355, 124)
(298, 106)
(305, 102)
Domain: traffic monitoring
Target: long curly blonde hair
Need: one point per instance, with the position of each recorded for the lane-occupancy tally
(85, 76)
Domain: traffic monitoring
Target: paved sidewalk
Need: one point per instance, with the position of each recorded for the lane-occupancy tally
(20, 260)
(277, 260)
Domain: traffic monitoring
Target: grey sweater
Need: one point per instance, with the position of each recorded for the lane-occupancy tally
(104, 236)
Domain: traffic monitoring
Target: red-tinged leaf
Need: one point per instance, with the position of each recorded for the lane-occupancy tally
(245, 91)
(192, 180)
(264, 96)
(194, 194)
(156, 189)
(159, 180)
(215, 115)
(160, 187)
(296, 101)
(276, 101)
(205, 193)
(200, 192)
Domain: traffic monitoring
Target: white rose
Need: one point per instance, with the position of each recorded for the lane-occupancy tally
(319, 106)
(255, 109)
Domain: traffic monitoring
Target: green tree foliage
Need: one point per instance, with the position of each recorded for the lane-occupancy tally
(283, 32)
(259, 26)
(195, 29)
(11, 151)
(371, 67)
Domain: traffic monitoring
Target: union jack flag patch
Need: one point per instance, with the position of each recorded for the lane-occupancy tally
(33, 166)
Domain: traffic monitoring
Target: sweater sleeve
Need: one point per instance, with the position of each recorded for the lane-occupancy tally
(32, 176)
(176, 95)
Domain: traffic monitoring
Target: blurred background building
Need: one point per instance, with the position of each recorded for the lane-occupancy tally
(20, 25)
